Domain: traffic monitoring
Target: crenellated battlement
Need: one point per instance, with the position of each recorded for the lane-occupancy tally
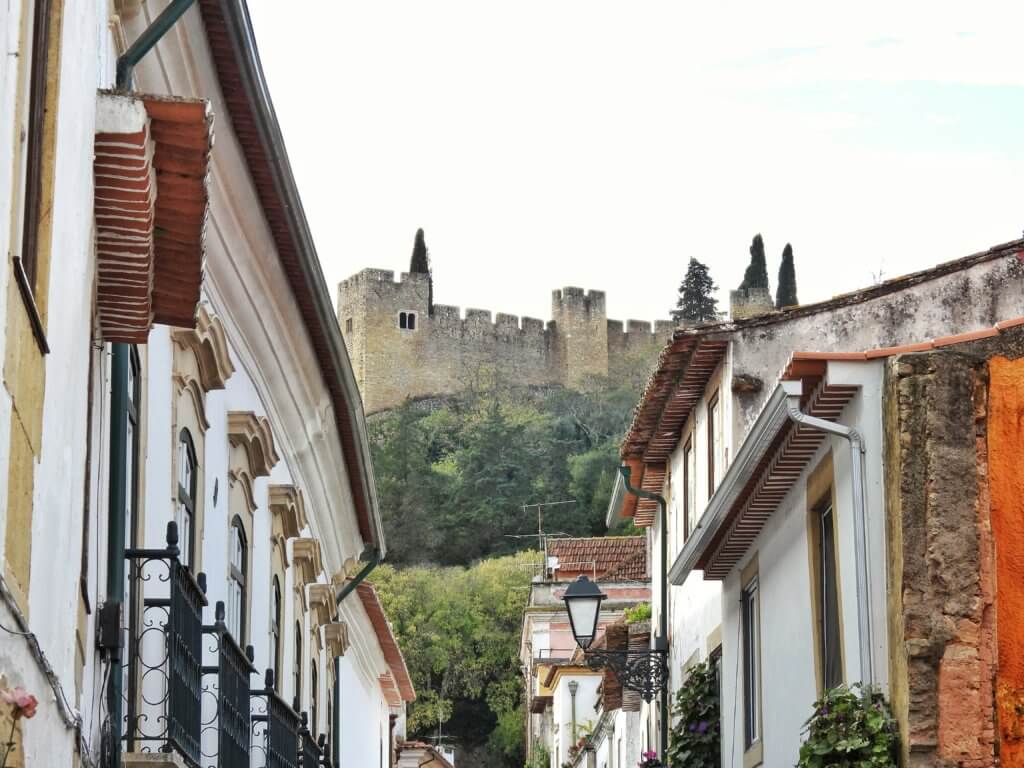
(402, 347)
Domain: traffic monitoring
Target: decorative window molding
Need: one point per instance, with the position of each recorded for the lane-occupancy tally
(336, 636)
(307, 561)
(252, 433)
(288, 507)
(152, 163)
(321, 602)
(209, 344)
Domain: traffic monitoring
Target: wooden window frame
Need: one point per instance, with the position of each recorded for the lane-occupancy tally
(187, 496)
(750, 650)
(276, 622)
(820, 496)
(314, 698)
(688, 502)
(297, 671)
(713, 407)
(237, 575)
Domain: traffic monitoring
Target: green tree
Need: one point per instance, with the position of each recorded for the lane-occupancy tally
(420, 264)
(756, 275)
(459, 630)
(785, 295)
(696, 303)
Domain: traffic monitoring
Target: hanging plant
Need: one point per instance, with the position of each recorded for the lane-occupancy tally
(851, 728)
(695, 738)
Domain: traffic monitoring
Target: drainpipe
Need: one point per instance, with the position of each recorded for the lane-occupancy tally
(660, 642)
(373, 558)
(860, 521)
(120, 361)
(573, 687)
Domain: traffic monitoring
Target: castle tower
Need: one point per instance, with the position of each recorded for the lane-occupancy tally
(385, 326)
(581, 327)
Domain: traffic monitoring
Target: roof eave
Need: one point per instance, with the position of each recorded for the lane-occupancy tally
(236, 17)
(762, 435)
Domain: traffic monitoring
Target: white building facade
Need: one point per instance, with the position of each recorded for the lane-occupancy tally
(180, 429)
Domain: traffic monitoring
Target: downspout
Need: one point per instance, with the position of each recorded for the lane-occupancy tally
(660, 642)
(372, 562)
(119, 365)
(860, 523)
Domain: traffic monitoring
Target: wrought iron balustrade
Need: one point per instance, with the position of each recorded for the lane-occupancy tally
(275, 728)
(311, 753)
(325, 752)
(227, 705)
(164, 669)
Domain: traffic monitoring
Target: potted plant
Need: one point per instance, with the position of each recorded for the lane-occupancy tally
(851, 726)
(650, 760)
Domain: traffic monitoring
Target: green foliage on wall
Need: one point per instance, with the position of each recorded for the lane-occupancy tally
(453, 481)
(695, 739)
(851, 727)
(459, 631)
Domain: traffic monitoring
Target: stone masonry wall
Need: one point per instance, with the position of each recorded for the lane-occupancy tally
(446, 353)
(954, 563)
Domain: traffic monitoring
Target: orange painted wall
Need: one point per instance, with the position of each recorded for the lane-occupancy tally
(1006, 477)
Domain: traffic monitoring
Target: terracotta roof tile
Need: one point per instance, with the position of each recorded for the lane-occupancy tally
(623, 557)
(386, 639)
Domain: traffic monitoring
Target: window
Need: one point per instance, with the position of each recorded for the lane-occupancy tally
(275, 634)
(297, 672)
(751, 617)
(238, 555)
(689, 497)
(828, 599)
(26, 265)
(185, 513)
(348, 325)
(314, 724)
(132, 469)
(407, 321)
(714, 437)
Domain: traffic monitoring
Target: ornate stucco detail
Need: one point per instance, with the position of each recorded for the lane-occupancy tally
(252, 433)
(186, 385)
(242, 480)
(306, 559)
(321, 600)
(288, 505)
(210, 346)
(336, 635)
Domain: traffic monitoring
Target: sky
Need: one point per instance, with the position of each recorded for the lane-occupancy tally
(602, 144)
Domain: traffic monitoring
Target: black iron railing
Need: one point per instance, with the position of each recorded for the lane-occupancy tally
(163, 707)
(325, 752)
(275, 728)
(310, 754)
(226, 728)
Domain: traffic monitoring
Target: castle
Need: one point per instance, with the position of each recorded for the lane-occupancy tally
(401, 347)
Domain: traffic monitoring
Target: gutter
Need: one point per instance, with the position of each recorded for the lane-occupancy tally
(618, 492)
(858, 452)
(243, 43)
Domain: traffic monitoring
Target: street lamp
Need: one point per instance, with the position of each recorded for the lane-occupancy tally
(583, 601)
(644, 671)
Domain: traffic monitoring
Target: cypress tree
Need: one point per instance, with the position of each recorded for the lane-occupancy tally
(756, 275)
(785, 296)
(420, 264)
(696, 303)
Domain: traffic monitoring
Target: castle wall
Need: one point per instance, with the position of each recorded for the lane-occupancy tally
(447, 352)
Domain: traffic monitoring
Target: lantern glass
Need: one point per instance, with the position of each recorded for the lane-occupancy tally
(583, 601)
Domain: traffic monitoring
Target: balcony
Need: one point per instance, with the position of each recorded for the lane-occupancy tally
(186, 686)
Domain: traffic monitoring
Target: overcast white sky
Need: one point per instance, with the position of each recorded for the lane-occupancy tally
(601, 144)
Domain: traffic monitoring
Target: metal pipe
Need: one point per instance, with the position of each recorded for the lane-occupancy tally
(661, 642)
(149, 38)
(860, 526)
(372, 562)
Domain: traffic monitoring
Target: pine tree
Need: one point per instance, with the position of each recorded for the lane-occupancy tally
(696, 303)
(786, 293)
(756, 275)
(420, 264)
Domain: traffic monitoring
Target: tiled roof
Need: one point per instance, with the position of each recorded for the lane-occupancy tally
(386, 639)
(621, 557)
(673, 388)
